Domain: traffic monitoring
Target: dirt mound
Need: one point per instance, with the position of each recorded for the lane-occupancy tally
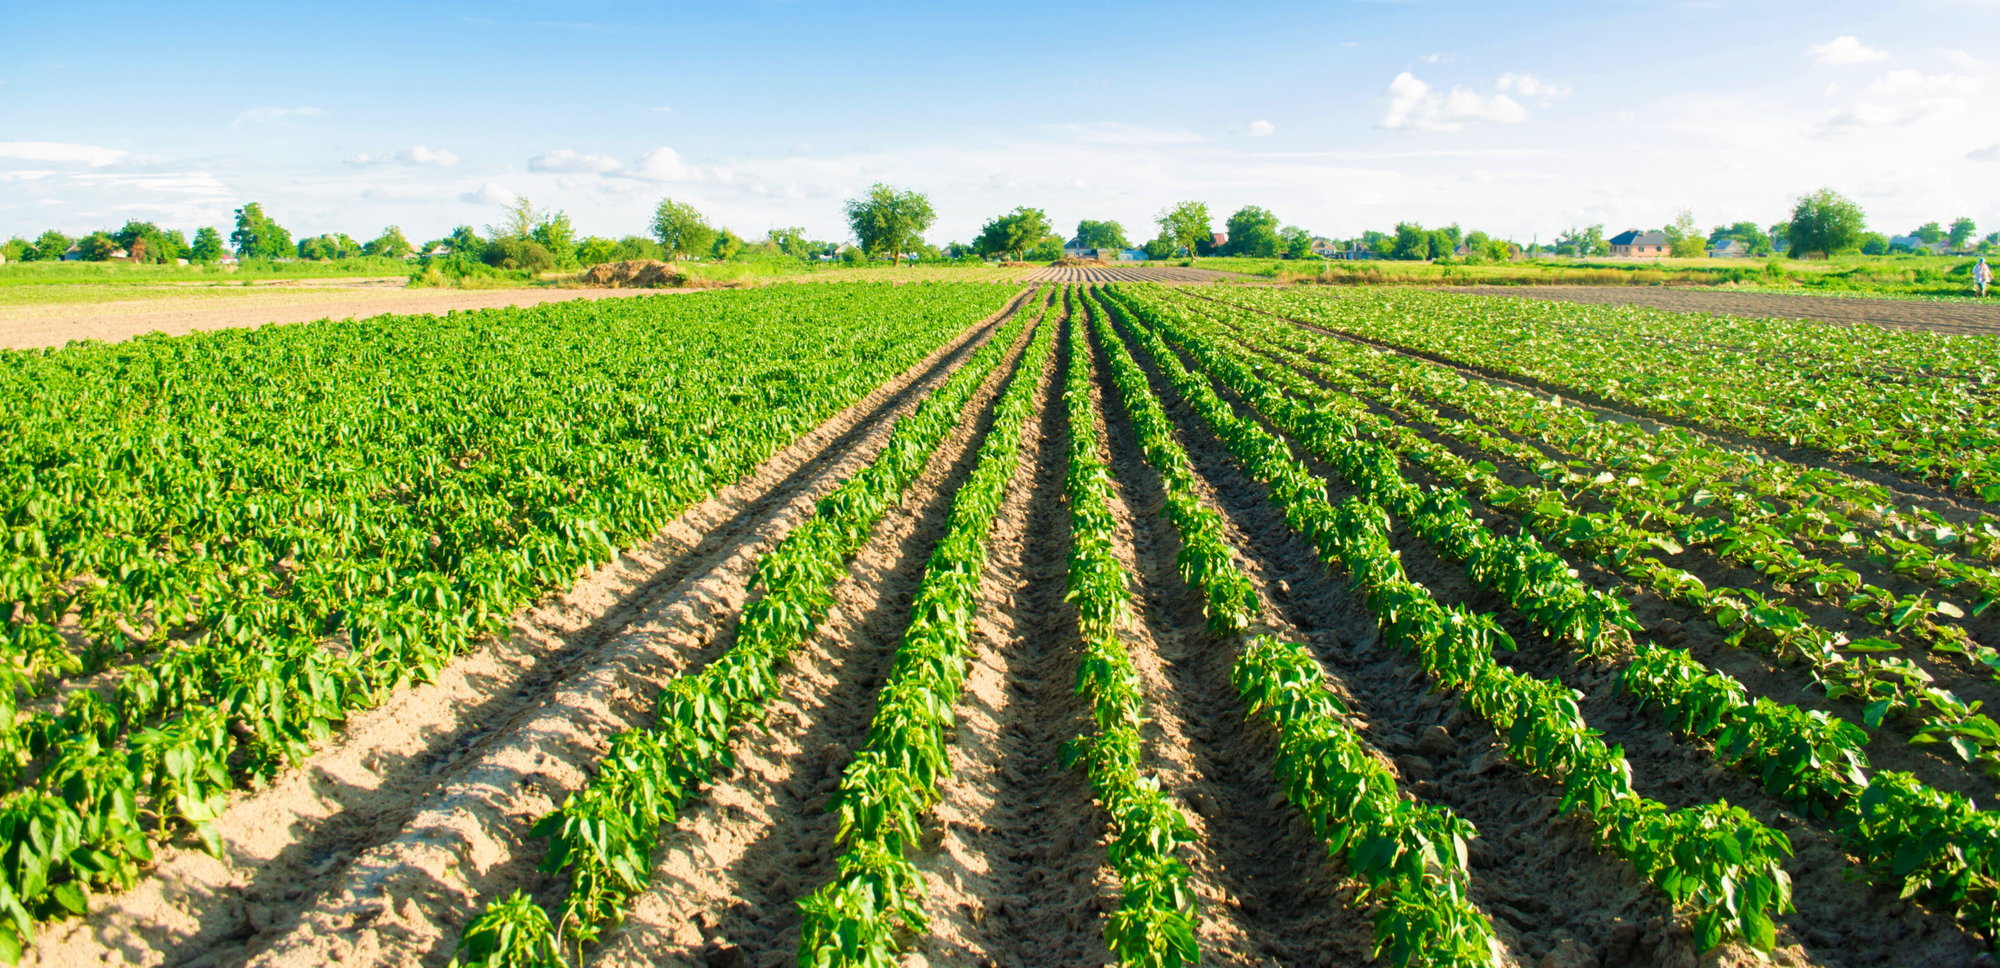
(635, 274)
(1069, 261)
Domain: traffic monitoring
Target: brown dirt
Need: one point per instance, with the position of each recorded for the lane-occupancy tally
(373, 852)
(728, 876)
(1940, 317)
(634, 274)
(1100, 272)
(31, 326)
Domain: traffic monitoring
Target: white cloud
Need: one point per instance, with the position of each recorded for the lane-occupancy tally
(1260, 128)
(664, 164)
(58, 151)
(1414, 106)
(1907, 83)
(414, 155)
(268, 115)
(1989, 153)
(1531, 87)
(1842, 51)
(488, 194)
(564, 159)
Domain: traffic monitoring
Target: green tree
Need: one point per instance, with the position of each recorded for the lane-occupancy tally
(1412, 243)
(1747, 234)
(1101, 235)
(16, 249)
(518, 221)
(640, 247)
(49, 246)
(853, 256)
(144, 242)
(888, 220)
(464, 240)
(207, 245)
(1046, 249)
(1015, 233)
(1584, 242)
(791, 241)
(727, 244)
(1930, 232)
(682, 231)
(1962, 231)
(389, 245)
(596, 250)
(514, 252)
(1187, 225)
(555, 233)
(1160, 249)
(1253, 232)
(1874, 243)
(1295, 242)
(97, 246)
(328, 246)
(1824, 222)
(1685, 236)
(259, 236)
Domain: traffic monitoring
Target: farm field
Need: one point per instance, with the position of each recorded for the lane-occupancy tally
(1966, 316)
(978, 623)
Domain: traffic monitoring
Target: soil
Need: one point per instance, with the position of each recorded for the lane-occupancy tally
(1941, 317)
(31, 326)
(1132, 273)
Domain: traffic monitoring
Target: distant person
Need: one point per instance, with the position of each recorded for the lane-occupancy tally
(1982, 276)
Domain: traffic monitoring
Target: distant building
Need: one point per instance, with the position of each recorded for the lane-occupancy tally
(1640, 245)
(1131, 255)
(1916, 244)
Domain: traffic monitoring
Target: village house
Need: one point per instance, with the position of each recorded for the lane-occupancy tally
(1635, 244)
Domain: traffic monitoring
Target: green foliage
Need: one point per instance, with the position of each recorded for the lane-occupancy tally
(1824, 223)
(329, 246)
(97, 246)
(1160, 249)
(258, 236)
(516, 253)
(1049, 249)
(1015, 233)
(390, 244)
(727, 245)
(49, 246)
(889, 220)
(681, 230)
(207, 247)
(555, 233)
(1101, 235)
(513, 933)
(1962, 231)
(16, 249)
(1253, 232)
(596, 250)
(1295, 242)
(1186, 225)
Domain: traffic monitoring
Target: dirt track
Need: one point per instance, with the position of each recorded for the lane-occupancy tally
(1942, 317)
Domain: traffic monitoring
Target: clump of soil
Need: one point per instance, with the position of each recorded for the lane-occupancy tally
(1068, 261)
(634, 274)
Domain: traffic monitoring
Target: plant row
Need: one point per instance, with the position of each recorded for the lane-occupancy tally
(1154, 924)
(876, 897)
(1717, 860)
(1411, 855)
(603, 835)
(1925, 840)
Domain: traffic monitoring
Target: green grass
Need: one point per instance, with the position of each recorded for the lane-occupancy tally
(129, 274)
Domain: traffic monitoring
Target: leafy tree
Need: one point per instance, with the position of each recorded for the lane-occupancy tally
(1685, 237)
(145, 242)
(390, 244)
(1295, 242)
(518, 220)
(97, 246)
(791, 241)
(555, 233)
(329, 246)
(888, 220)
(1781, 234)
(515, 252)
(1825, 222)
(853, 256)
(1187, 225)
(1930, 232)
(16, 249)
(595, 250)
(1495, 250)
(1962, 232)
(727, 244)
(1874, 243)
(49, 246)
(1585, 242)
(1015, 233)
(207, 245)
(259, 236)
(1746, 234)
(681, 229)
(1253, 232)
(1412, 243)
(465, 240)
(1048, 249)
(1101, 235)
(639, 247)
(1160, 249)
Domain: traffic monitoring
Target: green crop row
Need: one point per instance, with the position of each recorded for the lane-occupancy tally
(604, 834)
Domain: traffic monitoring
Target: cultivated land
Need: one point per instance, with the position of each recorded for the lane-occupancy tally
(982, 623)
(1970, 318)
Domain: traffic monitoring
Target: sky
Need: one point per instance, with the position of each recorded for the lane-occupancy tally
(1521, 119)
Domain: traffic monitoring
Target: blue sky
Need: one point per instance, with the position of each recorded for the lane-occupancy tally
(1518, 118)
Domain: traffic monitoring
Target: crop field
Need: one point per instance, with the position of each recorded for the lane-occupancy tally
(1081, 622)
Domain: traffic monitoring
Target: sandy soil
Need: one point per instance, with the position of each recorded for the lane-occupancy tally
(1962, 318)
(376, 849)
(1134, 273)
(298, 301)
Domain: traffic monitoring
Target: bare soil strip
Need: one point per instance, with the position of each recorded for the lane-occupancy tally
(1840, 922)
(1268, 894)
(1966, 319)
(728, 876)
(473, 732)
